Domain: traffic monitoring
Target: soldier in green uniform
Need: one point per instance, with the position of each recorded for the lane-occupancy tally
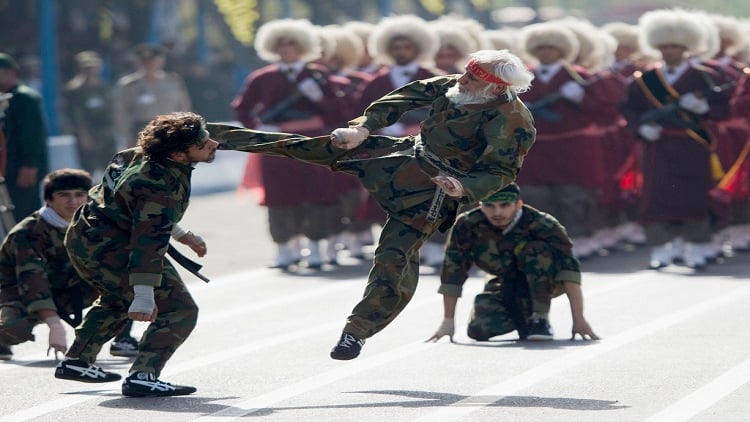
(117, 242)
(528, 255)
(472, 144)
(37, 282)
(149, 91)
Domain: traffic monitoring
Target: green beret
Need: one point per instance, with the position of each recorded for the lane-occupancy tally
(510, 193)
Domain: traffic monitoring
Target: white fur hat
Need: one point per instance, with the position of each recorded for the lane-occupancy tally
(327, 43)
(349, 47)
(626, 34)
(590, 49)
(732, 34)
(469, 26)
(407, 26)
(674, 26)
(553, 35)
(455, 37)
(504, 39)
(361, 28)
(299, 30)
(711, 38)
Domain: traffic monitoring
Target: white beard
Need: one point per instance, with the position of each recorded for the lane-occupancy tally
(461, 98)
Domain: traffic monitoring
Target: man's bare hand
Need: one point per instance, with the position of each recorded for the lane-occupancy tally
(450, 185)
(583, 329)
(195, 243)
(349, 137)
(447, 328)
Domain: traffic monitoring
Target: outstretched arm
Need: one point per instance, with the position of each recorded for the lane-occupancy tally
(242, 139)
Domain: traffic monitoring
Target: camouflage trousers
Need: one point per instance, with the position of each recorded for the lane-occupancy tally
(16, 324)
(392, 280)
(105, 268)
(394, 275)
(509, 299)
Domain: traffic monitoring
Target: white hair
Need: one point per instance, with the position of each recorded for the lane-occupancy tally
(508, 67)
(482, 96)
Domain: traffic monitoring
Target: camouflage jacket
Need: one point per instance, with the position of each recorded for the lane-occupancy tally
(134, 210)
(475, 241)
(34, 264)
(485, 141)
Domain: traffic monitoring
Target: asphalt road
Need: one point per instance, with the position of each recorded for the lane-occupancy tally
(674, 347)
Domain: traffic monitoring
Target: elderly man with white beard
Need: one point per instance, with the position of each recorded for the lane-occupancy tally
(472, 144)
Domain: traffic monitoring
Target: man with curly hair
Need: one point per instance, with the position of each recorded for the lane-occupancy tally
(117, 242)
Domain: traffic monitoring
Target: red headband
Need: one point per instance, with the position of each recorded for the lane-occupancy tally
(476, 69)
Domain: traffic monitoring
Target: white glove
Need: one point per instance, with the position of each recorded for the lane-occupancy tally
(56, 335)
(692, 103)
(349, 137)
(447, 328)
(573, 91)
(143, 300)
(310, 89)
(650, 132)
(268, 128)
(396, 129)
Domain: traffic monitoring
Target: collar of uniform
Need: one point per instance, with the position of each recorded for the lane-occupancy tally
(514, 222)
(410, 69)
(675, 71)
(295, 67)
(186, 168)
(545, 72)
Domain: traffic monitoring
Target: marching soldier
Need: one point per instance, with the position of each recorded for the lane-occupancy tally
(292, 94)
(667, 106)
(563, 106)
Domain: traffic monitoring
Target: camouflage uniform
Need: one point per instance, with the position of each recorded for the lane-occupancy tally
(482, 145)
(35, 274)
(117, 240)
(528, 262)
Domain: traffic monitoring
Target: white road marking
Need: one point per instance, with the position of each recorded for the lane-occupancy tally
(554, 367)
(702, 398)
(312, 383)
(225, 355)
(214, 316)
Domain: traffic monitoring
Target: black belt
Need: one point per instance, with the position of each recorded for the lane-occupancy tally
(185, 262)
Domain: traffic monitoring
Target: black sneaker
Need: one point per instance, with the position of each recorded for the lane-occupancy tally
(347, 348)
(539, 330)
(5, 352)
(78, 370)
(125, 346)
(143, 384)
